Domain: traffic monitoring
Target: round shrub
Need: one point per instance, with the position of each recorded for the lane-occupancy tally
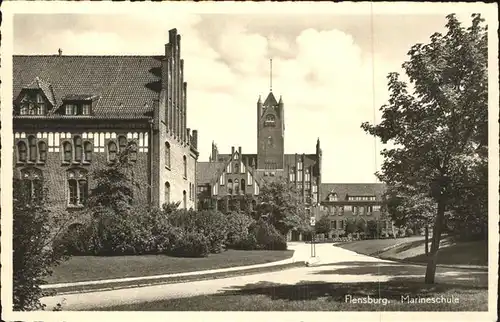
(249, 242)
(238, 225)
(74, 241)
(409, 232)
(191, 244)
(268, 237)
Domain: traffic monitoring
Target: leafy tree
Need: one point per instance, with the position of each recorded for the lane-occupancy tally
(110, 204)
(350, 226)
(440, 131)
(322, 226)
(373, 228)
(360, 225)
(35, 228)
(282, 204)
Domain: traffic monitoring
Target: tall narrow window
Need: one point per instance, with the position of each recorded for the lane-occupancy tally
(40, 108)
(190, 193)
(32, 148)
(236, 186)
(167, 155)
(122, 143)
(243, 187)
(307, 176)
(184, 199)
(42, 150)
(77, 188)
(24, 109)
(112, 150)
(32, 182)
(184, 160)
(133, 152)
(67, 151)
(167, 192)
(70, 109)
(87, 147)
(236, 167)
(21, 151)
(78, 148)
(230, 186)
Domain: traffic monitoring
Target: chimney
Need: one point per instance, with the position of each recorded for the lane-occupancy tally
(188, 132)
(232, 151)
(239, 151)
(60, 52)
(172, 36)
(195, 139)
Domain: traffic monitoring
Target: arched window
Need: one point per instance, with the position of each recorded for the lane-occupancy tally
(230, 186)
(236, 186)
(184, 160)
(167, 155)
(133, 152)
(77, 187)
(87, 147)
(270, 120)
(333, 197)
(122, 143)
(67, 151)
(236, 167)
(78, 148)
(112, 150)
(32, 181)
(32, 148)
(184, 199)
(243, 187)
(190, 192)
(21, 151)
(269, 141)
(42, 150)
(167, 192)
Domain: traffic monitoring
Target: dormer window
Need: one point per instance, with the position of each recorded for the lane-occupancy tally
(75, 108)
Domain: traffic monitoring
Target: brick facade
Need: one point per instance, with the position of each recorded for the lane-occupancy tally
(89, 102)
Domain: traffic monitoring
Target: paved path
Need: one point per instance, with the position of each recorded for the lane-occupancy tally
(336, 265)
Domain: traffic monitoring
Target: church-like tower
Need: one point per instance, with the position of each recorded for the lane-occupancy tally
(270, 133)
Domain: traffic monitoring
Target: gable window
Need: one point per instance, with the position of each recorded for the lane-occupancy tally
(236, 167)
(307, 176)
(24, 109)
(42, 150)
(87, 151)
(332, 197)
(167, 154)
(112, 151)
(184, 160)
(78, 148)
(292, 174)
(269, 141)
(77, 188)
(243, 187)
(222, 179)
(21, 151)
(230, 186)
(32, 148)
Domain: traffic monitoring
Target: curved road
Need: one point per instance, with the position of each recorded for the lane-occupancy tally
(336, 265)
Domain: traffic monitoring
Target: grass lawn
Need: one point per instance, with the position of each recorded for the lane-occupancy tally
(464, 253)
(413, 249)
(87, 268)
(326, 297)
(374, 246)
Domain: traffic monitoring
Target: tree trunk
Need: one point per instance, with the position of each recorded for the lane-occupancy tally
(430, 273)
(426, 239)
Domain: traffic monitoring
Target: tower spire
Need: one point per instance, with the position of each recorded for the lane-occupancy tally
(271, 74)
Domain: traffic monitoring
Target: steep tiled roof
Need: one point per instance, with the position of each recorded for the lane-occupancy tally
(208, 172)
(124, 84)
(270, 100)
(352, 189)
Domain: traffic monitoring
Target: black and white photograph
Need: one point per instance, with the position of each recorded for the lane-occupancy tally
(258, 158)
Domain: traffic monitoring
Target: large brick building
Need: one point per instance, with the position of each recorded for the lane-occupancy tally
(74, 114)
(238, 176)
(342, 202)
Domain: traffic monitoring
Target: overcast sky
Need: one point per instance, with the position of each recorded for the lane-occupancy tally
(330, 70)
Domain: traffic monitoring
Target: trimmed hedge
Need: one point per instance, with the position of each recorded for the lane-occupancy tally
(191, 244)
